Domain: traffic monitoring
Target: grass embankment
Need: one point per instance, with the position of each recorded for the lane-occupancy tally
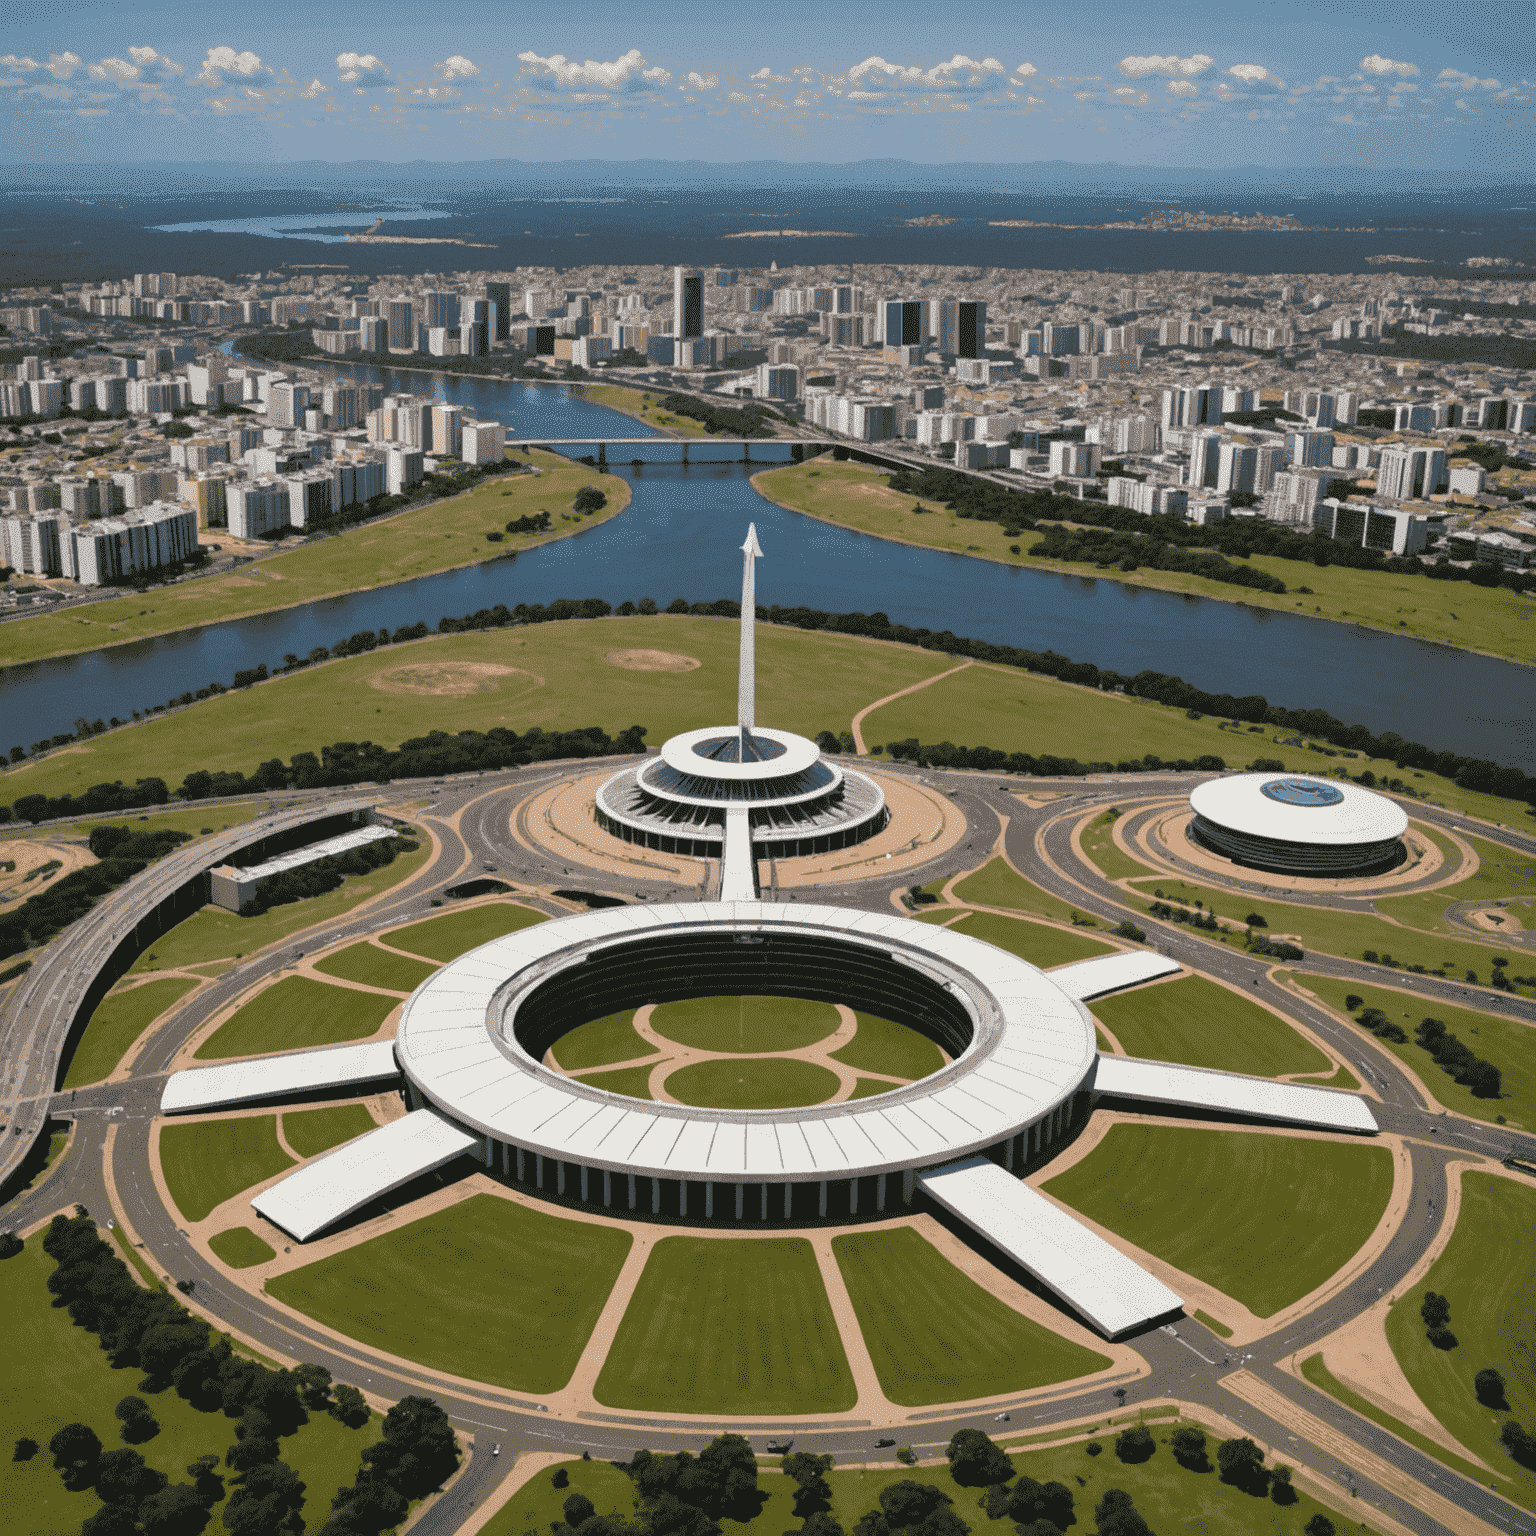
(644, 405)
(214, 934)
(745, 1024)
(240, 1248)
(1347, 934)
(628, 1082)
(196, 820)
(1033, 942)
(297, 1013)
(120, 1018)
(998, 884)
(437, 1292)
(601, 1043)
(1501, 873)
(883, 1046)
(756, 1083)
(1265, 1219)
(1201, 1024)
(1169, 1497)
(728, 1326)
(209, 1161)
(376, 967)
(1490, 619)
(456, 933)
(313, 1131)
(1485, 1273)
(69, 1378)
(437, 537)
(935, 1335)
(1098, 842)
(1509, 1044)
(559, 676)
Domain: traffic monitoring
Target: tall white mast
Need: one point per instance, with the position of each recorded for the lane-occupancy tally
(746, 690)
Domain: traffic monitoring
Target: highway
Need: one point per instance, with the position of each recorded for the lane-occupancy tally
(1187, 1362)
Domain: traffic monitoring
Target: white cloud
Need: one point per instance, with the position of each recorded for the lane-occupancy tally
(1128, 95)
(1026, 69)
(762, 74)
(456, 67)
(1375, 64)
(1255, 77)
(225, 64)
(312, 90)
(1165, 64)
(1455, 79)
(694, 81)
(153, 65)
(1183, 88)
(739, 97)
(17, 61)
(957, 74)
(364, 70)
(629, 73)
(118, 70)
(62, 65)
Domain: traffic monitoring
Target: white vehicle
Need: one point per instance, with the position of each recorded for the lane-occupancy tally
(496, 1449)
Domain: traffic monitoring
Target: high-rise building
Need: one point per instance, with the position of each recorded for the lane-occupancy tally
(1246, 467)
(904, 322)
(286, 404)
(962, 327)
(1309, 449)
(474, 322)
(1199, 407)
(1074, 461)
(499, 297)
(687, 304)
(1204, 459)
(1059, 340)
(439, 309)
(400, 314)
(1410, 474)
(483, 442)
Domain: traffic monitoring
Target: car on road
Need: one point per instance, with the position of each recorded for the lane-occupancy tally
(496, 1449)
(883, 1441)
(1001, 1418)
(779, 1447)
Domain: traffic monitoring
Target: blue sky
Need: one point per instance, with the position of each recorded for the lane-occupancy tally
(1440, 84)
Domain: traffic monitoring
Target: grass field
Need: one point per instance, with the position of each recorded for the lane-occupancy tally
(295, 1013)
(1483, 619)
(631, 1082)
(199, 820)
(728, 1326)
(998, 884)
(1201, 1024)
(438, 1292)
(1305, 1207)
(437, 537)
(935, 1336)
(1034, 942)
(446, 938)
(120, 1018)
(758, 1083)
(868, 1087)
(1507, 1043)
(1485, 1273)
(601, 1042)
(376, 967)
(209, 1161)
(240, 1248)
(1098, 840)
(883, 1046)
(70, 1378)
(1347, 934)
(645, 406)
(214, 934)
(313, 1131)
(1169, 1497)
(747, 1024)
(1500, 872)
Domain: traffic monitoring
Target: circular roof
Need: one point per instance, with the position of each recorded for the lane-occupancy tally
(1031, 1049)
(701, 754)
(1297, 808)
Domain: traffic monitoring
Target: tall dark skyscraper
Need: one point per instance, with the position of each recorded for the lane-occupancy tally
(906, 322)
(499, 296)
(687, 303)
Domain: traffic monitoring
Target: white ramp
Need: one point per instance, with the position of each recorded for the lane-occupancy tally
(321, 1193)
(738, 869)
(1112, 973)
(1113, 1292)
(273, 1077)
(1160, 1082)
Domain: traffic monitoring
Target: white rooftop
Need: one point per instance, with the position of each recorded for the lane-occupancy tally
(272, 1077)
(1092, 1276)
(1299, 808)
(1112, 973)
(324, 850)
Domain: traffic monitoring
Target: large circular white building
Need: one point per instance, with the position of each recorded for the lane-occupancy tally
(1293, 824)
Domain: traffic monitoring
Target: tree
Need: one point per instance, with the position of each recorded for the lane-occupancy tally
(1189, 1447)
(1436, 1310)
(139, 1424)
(206, 1480)
(818, 1524)
(1241, 1462)
(1489, 1386)
(419, 1450)
(976, 1460)
(1351, 1002)
(1519, 1442)
(590, 499)
(266, 1502)
(112, 1520)
(26, 1449)
(809, 1474)
(371, 1506)
(1031, 1501)
(1117, 1515)
(76, 1451)
(314, 1385)
(577, 1508)
(350, 1406)
(724, 1477)
(252, 1451)
(10, 1245)
(1319, 1525)
(907, 1503)
(123, 1478)
(1280, 1489)
(174, 1511)
(1135, 1444)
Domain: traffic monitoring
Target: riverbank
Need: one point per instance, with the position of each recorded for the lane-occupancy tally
(644, 405)
(418, 541)
(1489, 621)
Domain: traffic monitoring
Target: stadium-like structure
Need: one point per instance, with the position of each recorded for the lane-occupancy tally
(1292, 824)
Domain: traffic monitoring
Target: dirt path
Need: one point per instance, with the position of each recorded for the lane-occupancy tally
(857, 727)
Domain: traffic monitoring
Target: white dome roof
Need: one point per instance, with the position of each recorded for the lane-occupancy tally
(1299, 808)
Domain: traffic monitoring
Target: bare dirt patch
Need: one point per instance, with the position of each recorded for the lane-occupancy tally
(30, 859)
(654, 661)
(456, 679)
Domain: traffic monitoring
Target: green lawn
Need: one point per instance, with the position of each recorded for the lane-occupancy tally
(935, 1335)
(1486, 1275)
(240, 1248)
(1500, 873)
(883, 1046)
(1033, 942)
(295, 1013)
(209, 1161)
(1265, 1219)
(1098, 840)
(446, 938)
(631, 1082)
(437, 537)
(645, 405)
(868, 1087)
(998, 884)
(120, 1018)
(728, 1326)
(376, 967)
(601, 1042)
(70, 1378)
(488, 1289)
(1200, 1024)
(313, 1131)
(1507, 1043)
(1169, 1497)
(1485, 619)
(214, 934)
(747, 1024)
(199, 820)
(754, 1083)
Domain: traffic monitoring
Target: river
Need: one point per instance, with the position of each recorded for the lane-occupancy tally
(680, 538)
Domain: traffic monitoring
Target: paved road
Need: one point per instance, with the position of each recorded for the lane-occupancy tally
(1188, 1361)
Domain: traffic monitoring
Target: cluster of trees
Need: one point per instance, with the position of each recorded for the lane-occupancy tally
(1451, 1055)
(417, 1454)
(1377, 1022)
(122, 854)
(536, 522)
(1435, 1311)
(1130, 551)
(723, 420)
(993, 760)
(323, 875)
(588, 499)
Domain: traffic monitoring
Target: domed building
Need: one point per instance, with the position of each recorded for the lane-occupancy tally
(1293, 824)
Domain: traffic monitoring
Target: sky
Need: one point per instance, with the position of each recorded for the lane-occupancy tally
(1417, 83)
